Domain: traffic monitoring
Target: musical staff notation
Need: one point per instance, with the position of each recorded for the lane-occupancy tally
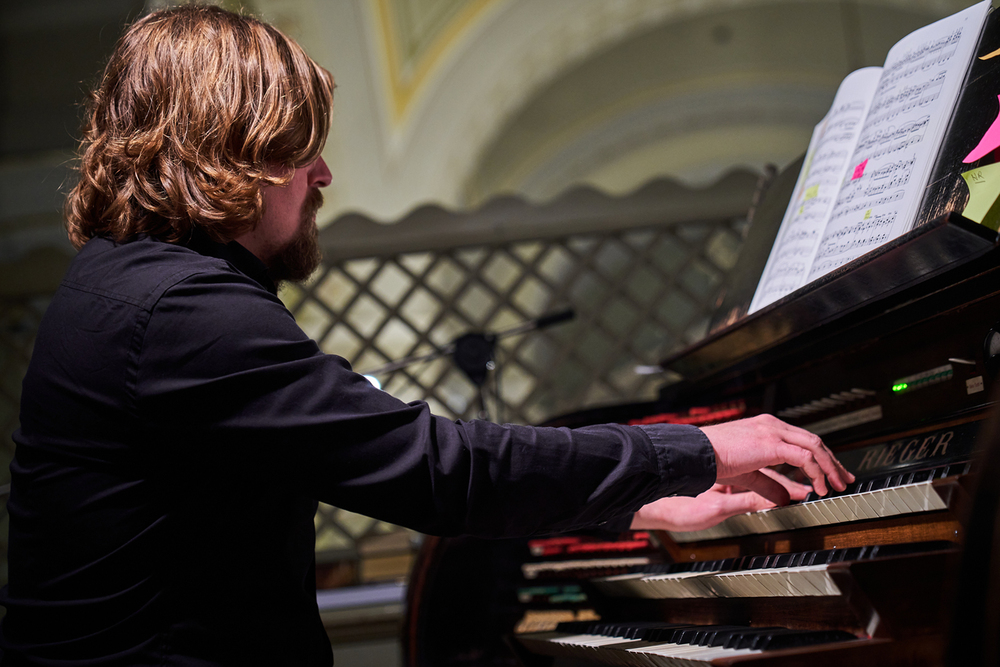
(863, 205)
(919, 93)
(870, 157)
(933, 53)
(868, 142)
(864, 234)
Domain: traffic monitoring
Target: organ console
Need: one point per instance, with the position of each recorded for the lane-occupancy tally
(892, 360)
(899, 387)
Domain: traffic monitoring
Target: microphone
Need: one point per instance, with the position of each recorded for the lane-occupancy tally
(474, 351)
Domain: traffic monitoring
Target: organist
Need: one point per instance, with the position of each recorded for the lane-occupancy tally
(173, 409)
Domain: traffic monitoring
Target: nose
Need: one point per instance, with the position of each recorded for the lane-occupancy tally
(319, 174)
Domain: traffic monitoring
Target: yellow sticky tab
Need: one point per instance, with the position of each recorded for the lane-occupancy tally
(984, 188)
(801, 209)
(868, 214)
(812, 192)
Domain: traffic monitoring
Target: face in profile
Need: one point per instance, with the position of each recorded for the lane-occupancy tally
(286, 239)
(301, 255)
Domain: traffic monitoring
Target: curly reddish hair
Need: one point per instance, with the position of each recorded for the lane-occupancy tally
(197, 109)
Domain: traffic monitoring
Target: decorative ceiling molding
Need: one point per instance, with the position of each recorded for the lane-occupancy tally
(415, 36)
(505, 219)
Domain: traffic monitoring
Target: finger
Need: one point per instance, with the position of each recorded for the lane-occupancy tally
(824, 459)
(743, 503)
(761, 484)
(832, 468)
(803, 459)
(795, 490)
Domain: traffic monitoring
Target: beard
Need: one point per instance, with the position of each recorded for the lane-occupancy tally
(297, 260)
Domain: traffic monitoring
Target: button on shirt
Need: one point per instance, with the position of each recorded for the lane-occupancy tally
(177, 431)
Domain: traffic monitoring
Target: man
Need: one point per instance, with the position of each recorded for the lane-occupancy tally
(178, 428)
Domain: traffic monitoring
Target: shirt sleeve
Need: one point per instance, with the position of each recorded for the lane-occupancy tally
(223, 372)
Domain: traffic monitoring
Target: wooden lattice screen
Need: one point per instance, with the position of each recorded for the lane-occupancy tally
(642, 275)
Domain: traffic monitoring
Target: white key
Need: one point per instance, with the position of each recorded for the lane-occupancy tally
(888, 503)
(817, 512)
(930, 500)
(841, 508)
(903, 498)
(834, 509)
(866, 505)
(911, 496)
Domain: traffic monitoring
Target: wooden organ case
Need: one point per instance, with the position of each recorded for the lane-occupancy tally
(892, 359)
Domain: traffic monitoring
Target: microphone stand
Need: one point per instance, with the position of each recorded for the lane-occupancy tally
(473, 353)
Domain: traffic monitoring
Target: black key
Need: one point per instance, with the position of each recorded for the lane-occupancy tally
(653, 631)
(957, 469)
(810, 557)
(689, 635)
(639, 629)
(733, 639)
(710, 565)
(782, 560)
(705, 635)
(849, 554)
(779, 640)
(665, 634)
(877, 484)
(884, 550)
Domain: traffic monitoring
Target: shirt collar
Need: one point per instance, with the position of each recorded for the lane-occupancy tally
(242, 259)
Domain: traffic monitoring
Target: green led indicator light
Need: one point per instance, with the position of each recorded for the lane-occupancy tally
(900, 387)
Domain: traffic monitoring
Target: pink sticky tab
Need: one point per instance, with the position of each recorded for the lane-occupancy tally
(859, 171)
(989, 143)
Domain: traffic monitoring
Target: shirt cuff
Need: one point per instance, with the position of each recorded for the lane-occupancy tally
(686, 458)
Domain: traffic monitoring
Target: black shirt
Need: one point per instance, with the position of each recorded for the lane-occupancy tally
(177, 430)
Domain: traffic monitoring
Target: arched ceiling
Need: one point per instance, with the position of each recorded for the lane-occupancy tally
(689, 98)
(451, 102)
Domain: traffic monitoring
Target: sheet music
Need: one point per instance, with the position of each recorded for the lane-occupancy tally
(900, 139)
(826, 162)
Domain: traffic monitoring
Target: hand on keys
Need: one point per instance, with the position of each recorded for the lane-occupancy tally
(745, 447)
(683, 513)
(743, 451)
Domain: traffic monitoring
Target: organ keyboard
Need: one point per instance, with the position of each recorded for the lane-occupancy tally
(672, 645)
(891, 495)
(802, 574)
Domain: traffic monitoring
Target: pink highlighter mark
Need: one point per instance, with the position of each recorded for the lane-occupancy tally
(859, 171)
(989, 143)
